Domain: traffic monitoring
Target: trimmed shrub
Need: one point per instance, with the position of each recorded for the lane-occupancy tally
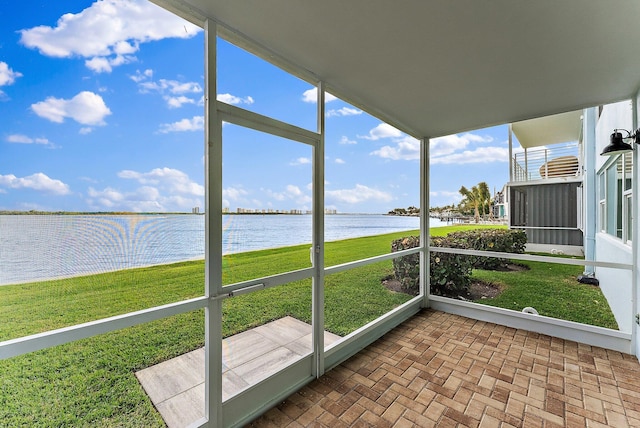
(406, 269)
(499, 240)
(450, 274)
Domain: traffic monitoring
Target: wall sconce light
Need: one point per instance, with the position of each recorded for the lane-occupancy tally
(617, 144)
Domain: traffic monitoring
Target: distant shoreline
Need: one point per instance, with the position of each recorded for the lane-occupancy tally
(92, 213)
(123, 213)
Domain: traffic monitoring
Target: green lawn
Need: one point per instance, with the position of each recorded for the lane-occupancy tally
(91, 383)
(553, 290)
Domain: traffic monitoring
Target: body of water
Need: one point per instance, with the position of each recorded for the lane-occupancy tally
(39, 247)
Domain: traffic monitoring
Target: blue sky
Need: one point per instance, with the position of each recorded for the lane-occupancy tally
(101, 110)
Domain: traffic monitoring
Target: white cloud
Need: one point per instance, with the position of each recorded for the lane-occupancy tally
(107, 33)
(173, 91)
(143, 199)
(346, 140)
(177, 102)
(311, 96)
(234, 193)
(85, 108)
(37, 181)
(453, 143)
(479, 155)
(344, 111)
(290, 193)
(140, 76)
(7, 76)
(232, 99)
(88, 179)
(383, 130)
(196, 123)
(360, 193)
(168, 178)
(162, 189)
(107, 197)
(293, 190)
(105, 65)
(406, 148)
(339, 161)
(172, 86)
(300, 161)
(85, 131)
(23, 139)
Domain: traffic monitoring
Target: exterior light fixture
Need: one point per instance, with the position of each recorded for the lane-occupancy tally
(617, 144)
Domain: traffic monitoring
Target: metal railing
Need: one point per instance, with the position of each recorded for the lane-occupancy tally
(562, 160)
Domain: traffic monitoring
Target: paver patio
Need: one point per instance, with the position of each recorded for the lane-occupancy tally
(444, 370)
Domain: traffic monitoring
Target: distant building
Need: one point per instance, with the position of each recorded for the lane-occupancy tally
(501, 204)
(195, 210)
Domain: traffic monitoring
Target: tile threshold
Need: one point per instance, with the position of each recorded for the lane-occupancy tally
(176, 386)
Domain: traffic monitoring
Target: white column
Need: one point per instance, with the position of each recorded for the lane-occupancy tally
(318, 240)
(590, 197)
(510, 153)
(425, 232)
(213, 235)
(635, 237)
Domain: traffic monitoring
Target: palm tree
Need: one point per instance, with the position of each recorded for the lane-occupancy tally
(471, 198)
(485, 196)
(477, 197)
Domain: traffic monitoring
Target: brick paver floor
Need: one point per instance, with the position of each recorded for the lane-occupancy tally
(444, 370)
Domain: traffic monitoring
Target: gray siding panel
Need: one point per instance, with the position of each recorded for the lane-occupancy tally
(547, 205)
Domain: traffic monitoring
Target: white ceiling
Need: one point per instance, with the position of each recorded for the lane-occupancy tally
(548, 130)
(436, 67)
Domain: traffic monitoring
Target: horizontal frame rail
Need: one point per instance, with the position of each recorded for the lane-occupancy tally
(35, 342)
(532, 258)
(265, 282)
(545, 227)
(258, 122)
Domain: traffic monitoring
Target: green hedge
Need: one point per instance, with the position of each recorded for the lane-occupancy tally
(450, 274)
(499, 240)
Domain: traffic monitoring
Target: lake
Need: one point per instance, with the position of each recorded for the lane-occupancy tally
(40, 247)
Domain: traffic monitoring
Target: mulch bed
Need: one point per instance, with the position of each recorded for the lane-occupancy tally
(477, 290)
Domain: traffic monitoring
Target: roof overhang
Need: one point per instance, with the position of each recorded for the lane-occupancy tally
(548, 130)
(433, 67)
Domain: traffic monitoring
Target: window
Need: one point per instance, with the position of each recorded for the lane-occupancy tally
(602, 211)
(615, 190)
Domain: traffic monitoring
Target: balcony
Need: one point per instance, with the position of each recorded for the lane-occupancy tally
(558, 161)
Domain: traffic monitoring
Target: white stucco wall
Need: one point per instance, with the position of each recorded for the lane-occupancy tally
(636, 231)
(616, 283)
(614, 116)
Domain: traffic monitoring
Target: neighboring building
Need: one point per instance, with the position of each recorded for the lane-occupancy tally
(500, 206)
(546, 182)
(569, 198)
